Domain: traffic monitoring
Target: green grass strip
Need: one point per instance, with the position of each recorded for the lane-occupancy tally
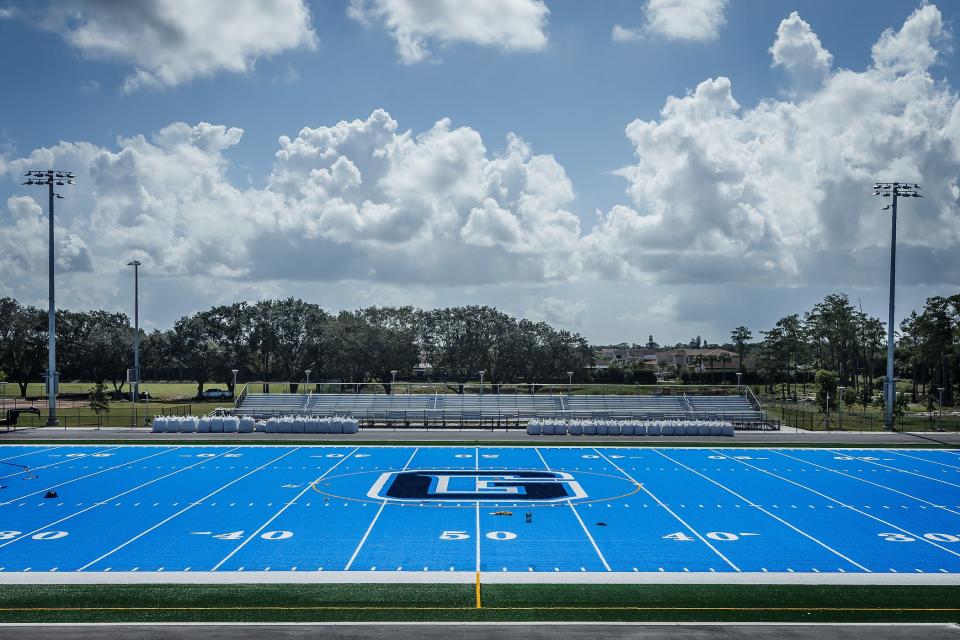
(517, 602)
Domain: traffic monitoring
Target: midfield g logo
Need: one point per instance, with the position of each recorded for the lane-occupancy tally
(484, 485)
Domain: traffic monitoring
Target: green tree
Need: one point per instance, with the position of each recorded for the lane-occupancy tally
(99, 400)
(740, 337)
(827, 383)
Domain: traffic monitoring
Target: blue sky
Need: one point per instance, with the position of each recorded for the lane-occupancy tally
(561, 83)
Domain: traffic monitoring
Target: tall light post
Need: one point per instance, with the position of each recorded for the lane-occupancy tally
(393, 380)
(482, 372)
(738, 381)
(234, 372)
(3, 396)
(892, 190)
(308, 371)
(569, 380)
(49, 178)
(135, 377)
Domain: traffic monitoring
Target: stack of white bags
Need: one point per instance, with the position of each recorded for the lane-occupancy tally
(604, 427)
(233, 424)
(309, 424)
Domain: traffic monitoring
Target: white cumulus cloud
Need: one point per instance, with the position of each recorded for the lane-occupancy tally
(417, 24)
(779, 192)
(798, 50)
(693, 20)
(173, 41)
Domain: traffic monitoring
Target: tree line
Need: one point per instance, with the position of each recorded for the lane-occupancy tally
(277, 340)
(836, 336)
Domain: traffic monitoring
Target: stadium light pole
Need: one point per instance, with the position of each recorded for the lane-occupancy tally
(308, 371)
(135, 379)
(482, 372)
(892, 190)
(49, 178)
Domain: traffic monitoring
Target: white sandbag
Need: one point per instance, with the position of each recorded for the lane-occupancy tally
(575, 428)
(246, 425)
(231, 424)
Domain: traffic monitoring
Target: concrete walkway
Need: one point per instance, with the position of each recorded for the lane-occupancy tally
(786, 437)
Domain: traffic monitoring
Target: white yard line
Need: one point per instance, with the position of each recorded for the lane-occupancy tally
(89, 475)
(876, 484)
(898, 452)
(847, 506)
(579, 519)
(53, 464)
(670, 511)
(184, 510)
(383, 504)
(100, 503)
(912, 473)
(282, 509)
(759, 508)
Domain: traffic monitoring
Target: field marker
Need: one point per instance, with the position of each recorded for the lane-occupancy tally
(374, 521)
(887, 466)
(882, 486)
(185, 509)
(774, 516)
(852, 508)
(579, 519)
(671, 512)
(285, 507)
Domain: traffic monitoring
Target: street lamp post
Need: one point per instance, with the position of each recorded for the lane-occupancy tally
(482, 372)
(892, 190)
(569, 380)
(307, 371)
(738, 381)
(393, 380)
(49, 178)
(840, 400)
(940, 409)
(3, 396)
(234, 372)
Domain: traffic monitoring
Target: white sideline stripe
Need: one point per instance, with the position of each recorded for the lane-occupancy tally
(876, 484)
(185, 509)
(887, 466)
(383, 504)
(772, 515)
(53, 464)
(669, 510)
(102, 502)
(942, 464)
(579, 519)
(282, 509)
(534, 623)
(847, 506)
(95, 473)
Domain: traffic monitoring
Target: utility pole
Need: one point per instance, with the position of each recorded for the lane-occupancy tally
(892, 190)
(135, 378)
(49, 178)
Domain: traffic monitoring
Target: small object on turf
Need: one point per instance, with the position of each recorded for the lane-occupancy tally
(51, 494)
(502, 513)
(528, 517)
(601, 524)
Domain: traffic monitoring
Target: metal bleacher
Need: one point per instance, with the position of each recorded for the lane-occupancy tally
(498, 409)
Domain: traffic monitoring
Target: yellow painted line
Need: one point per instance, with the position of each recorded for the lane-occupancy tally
(479, 605)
